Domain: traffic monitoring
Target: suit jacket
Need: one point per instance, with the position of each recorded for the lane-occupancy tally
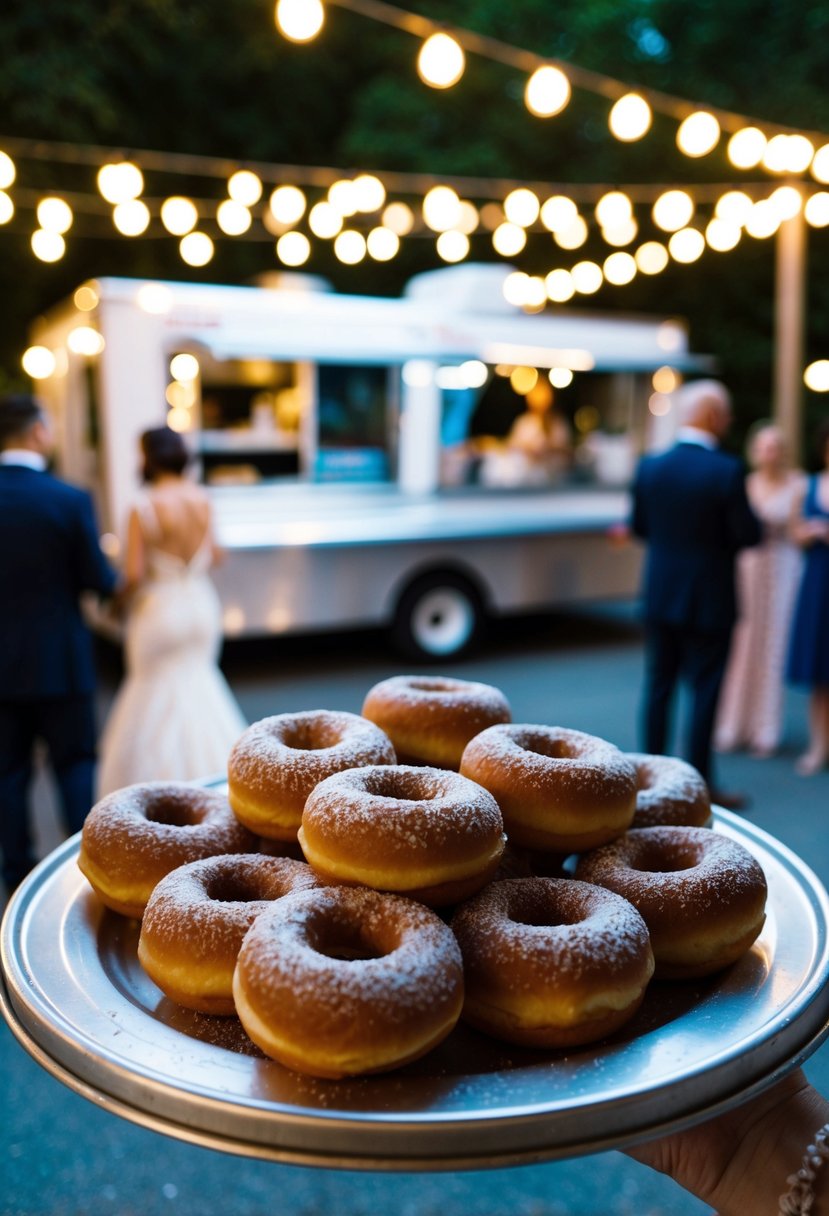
(690, 506)
(49, 554)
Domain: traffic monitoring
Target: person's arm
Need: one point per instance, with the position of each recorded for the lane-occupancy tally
(93, 570)
(740, 1162)
(805, 531)
(135, 555)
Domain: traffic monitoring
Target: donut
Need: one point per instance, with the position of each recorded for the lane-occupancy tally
(136, 835)
(430, 719)
(426, 833)
(701, 894)
(551, 962)
(276, 763)
(671, 793)
(559, 791)
(344, 981)
(197, 917)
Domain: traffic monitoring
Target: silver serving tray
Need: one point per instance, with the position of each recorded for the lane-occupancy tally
(77, 999)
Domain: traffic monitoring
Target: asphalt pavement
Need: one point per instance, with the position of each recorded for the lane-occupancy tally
(60, 1155)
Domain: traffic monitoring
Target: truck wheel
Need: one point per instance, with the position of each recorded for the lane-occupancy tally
(438, 616)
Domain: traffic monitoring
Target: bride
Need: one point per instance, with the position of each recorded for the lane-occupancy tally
(174, 717)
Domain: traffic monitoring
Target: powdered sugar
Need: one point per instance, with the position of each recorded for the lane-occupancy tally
(670, 792)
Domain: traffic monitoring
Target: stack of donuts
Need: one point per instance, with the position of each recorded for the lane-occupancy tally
(371, 878)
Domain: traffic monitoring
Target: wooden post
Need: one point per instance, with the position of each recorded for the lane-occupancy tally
(789, 316)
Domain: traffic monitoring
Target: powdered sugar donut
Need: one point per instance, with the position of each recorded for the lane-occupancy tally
(340, 982)
(422, 832)
(430, 719)
(136, 835)
(197, 917)
(276, 763)
(559, 790)
(550, 962)
(701, 894)
(670, 793)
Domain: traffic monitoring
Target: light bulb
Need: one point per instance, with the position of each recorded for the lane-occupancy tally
(178, 215)
(573, 236)
(672, 210)
(38, 362)
(613, 209)
(382, 244)
(816, 376)
(184, 367)
(120, 182)
(763, 220)
(651, 258)
(722, 235)
(342, 195)
(86, 341)
(369, 192)
(441, 61)
(469, 218)
(799, 153)
(820, 165)
(324, 220)
(350, 246)
(733, 207)
(244, 187)
(817, 209)
(399, 217)
(54, 214)
(515, 287)
(558, 212)
(547, 91)
(287, 204)
(48, 246)
(132, 217)
(560, 377)
(776, 154)
(293, 248)
(630, 117)
(441, 208)
(300, 20)
(698, 134)
(786, 201)
(196, 249)
(6, 207)
(523, 380)
(521, 207)
(536, 298)
(746, 147)
(453, 246)
(587, 277)
(665, 379)
(619, 269)
(559, 285)
(86, 298)
(686, 245)
(621, 234)
(233, 218)
(7, 171)
(475, 373)
(508, 239)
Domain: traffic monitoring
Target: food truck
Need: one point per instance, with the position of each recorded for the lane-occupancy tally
(336, 436)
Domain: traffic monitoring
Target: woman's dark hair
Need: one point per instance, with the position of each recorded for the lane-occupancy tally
(164, 451)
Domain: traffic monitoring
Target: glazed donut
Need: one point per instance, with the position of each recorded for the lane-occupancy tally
(559, 791)
(430, 719)
(276, 763)
(550, 962)
(197, 916)
(701, 895)
(422, 832)
(671, 793)
(341, 981)
(136, 835)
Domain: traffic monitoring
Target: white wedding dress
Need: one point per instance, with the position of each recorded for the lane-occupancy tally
(174, 717)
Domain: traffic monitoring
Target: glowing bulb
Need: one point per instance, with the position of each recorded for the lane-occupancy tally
(48, 246)
(686, 245)
(382, 244)
(560, 377)
(630, 117)
(120, 182)
(508, 239)
(184, 367)
(369, 192)
(350, 246)
(763, 220)
(536, 297)
(521, 207)
(733, 207)
(233, 218)
(587, 277)
(619, 269)
(54, 214)
(817, 209)
(441, 208)
(515, 287)
(776, 154)
(85, 298)
(621, 234)
(38, 362)
(469, 218)
(558, 213)
(559, 285)
(816, 376)
(132, 217)
(293, 248)
(492, 214)
(799, 153)
(196, 248)
(820, 165)
(7, 171)
(84, 340)
(475, 373)
(287, 204)
(573, 236)
(698, 134)
(440, 62)
(178, 215)
(613, 209)
(786, 201)
(651, 258)
(722, 235)
(324, 220)
(746, 148)
(244, 187)
(179, 419)
(523, 380)
(665, 379)
(300, 20)
(453, 246)
(6, 207)
(399, 217)
(672, 210)
(342, 196)
(547, 91)
(180, 395)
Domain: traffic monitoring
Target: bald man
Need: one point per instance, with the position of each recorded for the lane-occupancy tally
(691, 509)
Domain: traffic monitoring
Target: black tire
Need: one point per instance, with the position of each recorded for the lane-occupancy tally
(439, 616)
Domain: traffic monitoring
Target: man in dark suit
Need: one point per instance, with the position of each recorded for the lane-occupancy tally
(49, 555)
(690, 506)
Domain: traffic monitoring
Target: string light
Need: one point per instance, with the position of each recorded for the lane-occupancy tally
(369, 192)
(382, 244)
(492, 214)
(324, 220)
(816, 376)
(287, 204)
(399, 217)
(762, 221)
(244, 187)
(54, 214)
(547, 92)
(536, 297)
(469, 218)
(799, 153)
(721, 235)
(672, 210)
(621, 234)
(523, 380)
(48, 246)
(630, 118)
(6, 207)
(515, 288)
(120, 182)
(508, 239)
(293, 249)
(619, 269)
(613, 209)
(787, 202)
(686, 245)
(453, 246)
(196, 248)
(698, 134)
(651, 258)
(521, 207)
(820, 165)
(86, 298)
(733, 207)
(233, 218)
(665, 379)
(350, 246)
(132, 217)
(300, 20)
(587, 277)
(558, 213)
(559, 286)
(573, 236)
(7, 171)
(441, 61)
(560, 377)
(817, 209)
(38, 362)
(441, 208)
(746, 148)
(179, 215)
(184, 367)
(86, 341)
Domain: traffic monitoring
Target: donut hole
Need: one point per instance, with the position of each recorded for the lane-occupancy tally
(232, 889)
(666, 861)
(174, 813)
(434, 685)
(396, 783)
(310, 736)
(543, 918)
(550, 746)
(346, 942)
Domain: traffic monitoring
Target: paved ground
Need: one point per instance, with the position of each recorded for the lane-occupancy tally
(61, 1156)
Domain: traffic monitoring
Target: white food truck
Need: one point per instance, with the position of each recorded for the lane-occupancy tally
(336, 435)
